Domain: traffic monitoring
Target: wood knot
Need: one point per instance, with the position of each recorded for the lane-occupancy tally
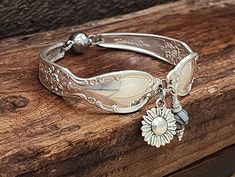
(212, 89)
(11, 103)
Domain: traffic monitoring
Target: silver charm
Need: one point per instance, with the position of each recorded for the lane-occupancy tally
(181, 117)
(158, 127)
(161, 124)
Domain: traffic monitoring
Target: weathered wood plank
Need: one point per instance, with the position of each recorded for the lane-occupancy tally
(220, 164)
(44, 135)
(28, 16)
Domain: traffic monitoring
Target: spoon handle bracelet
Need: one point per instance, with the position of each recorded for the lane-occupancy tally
(129, 90)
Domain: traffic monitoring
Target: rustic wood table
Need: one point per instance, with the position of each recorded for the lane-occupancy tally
(44, 135)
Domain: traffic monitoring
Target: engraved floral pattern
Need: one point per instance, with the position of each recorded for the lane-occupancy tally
(61, 83)
(54, 79)
(173, 51)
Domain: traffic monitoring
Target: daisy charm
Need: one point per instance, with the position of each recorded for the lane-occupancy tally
(159, 126)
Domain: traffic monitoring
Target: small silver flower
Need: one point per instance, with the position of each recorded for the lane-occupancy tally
(158, 127)
(173, 51)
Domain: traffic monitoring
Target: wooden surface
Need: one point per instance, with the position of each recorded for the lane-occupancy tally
(43, 135)
(220, 164)
(28, 16)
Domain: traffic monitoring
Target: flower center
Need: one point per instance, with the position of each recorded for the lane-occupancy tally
(159, 125)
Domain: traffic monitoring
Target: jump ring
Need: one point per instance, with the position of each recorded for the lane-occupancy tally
(160, 103)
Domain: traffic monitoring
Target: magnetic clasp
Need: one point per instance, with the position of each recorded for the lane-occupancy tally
(81, 42)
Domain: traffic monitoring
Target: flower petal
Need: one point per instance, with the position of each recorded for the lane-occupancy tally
(163, 142)
(148, 119)
(167, 139)
(170, 117)
(172, 127)
(144, 123)
(158, 142)
(143, 133)
(169, 135)
(150, 113)
(153, 140)
(167, 113)
(154, 111)
(148, 136)
(173, 132)
(145, 127)
(171, 121)
(158, 112)
(163, 111)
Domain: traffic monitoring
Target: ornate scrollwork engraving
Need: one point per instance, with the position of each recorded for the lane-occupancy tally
(123, 91)
(173, 51)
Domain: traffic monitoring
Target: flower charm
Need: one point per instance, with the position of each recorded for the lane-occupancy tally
(159, 126)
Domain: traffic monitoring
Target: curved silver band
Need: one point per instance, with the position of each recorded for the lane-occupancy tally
(122, 91)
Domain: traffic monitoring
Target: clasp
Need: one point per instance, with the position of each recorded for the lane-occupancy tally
(95, 39)
(67, 46)
(78, 42)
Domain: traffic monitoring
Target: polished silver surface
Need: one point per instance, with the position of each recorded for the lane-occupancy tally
(181, 77)
(167, 49)
(80, 42)
(122, 91)
(127, 91)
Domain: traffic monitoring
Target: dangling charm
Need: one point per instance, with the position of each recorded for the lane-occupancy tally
(159, 125)
(180, 115)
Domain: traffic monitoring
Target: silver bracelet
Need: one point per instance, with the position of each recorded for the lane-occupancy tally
(127, 91)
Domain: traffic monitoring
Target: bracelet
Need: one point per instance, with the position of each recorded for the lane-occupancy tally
(127, 91)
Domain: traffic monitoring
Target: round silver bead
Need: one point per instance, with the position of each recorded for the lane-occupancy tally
(81, 42)
(159, 126)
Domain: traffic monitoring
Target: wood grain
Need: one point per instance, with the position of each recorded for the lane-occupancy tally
(28, 16)
(44, 135)
(220, 164)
